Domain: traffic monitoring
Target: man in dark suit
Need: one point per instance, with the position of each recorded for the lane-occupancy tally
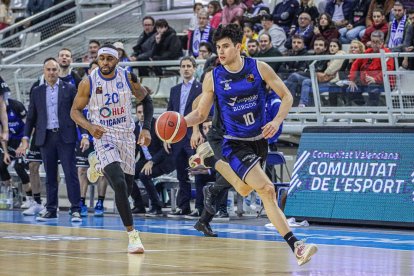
(181, 98)
(153, 162)
(49, 113)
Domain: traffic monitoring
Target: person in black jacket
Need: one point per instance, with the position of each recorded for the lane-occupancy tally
(153, 162)
(356, 22)
(167, 44)
(145, 44)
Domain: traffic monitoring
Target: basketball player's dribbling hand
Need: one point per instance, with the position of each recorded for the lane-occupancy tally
(269, 130)
(144, 138)
(96, 131)
(167, 147)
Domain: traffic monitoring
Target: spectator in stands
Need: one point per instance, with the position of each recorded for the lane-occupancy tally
(325, 28)
(308, 7)
(153, 161)
(197, 7)
(302, 80)
(277, 34)
(370, 72)
(249, 33)
(339, 11)
(385, 5)
(145, 44)
(267, 50)
(284, 14)
(232, 9)
(36, 6)
(215, 11)
(66, 73)
(5, 17)
(206, 52)
(408, 63)
(203, 33)
(257, 10)
(378, 23)
(122, 55)
(356, 22)
(397, 29)
(167, 44)
(93, 48)
(298, 48)
(181, 99)
(252, 48)
(304, 29)
(16, 113)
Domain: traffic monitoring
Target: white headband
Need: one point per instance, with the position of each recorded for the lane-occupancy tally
(108, 51)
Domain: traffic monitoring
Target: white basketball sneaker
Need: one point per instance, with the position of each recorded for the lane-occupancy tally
(94, 171)
(28, 203)
(304, 252)
(135, 245)
(197, 160)
(34, 209)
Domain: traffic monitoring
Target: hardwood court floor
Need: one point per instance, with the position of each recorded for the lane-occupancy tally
(27, 249)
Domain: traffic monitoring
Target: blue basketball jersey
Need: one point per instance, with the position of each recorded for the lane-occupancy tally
(242, 99)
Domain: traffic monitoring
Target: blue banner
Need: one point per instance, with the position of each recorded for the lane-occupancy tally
(359, 175)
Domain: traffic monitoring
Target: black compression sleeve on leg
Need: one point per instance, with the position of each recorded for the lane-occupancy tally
(148, 112)
(116, 178)
(129, 178)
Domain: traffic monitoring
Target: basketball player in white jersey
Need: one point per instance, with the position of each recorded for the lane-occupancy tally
(107, 92)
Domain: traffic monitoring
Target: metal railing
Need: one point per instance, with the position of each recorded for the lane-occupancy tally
(396, 106)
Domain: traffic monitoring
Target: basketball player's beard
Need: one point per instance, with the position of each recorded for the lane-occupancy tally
(111, 69)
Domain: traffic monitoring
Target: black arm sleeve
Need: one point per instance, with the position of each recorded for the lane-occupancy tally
(148, 112)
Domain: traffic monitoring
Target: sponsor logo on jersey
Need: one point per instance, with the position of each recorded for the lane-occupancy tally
(226, 84)
(250, 78)
(243, 103)
(107, 112)
(119, 85)
(98, 90)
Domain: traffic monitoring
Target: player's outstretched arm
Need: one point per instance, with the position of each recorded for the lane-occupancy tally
(200, 114)
(277, 85)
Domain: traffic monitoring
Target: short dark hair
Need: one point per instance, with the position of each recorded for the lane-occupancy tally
(161, 23)
(49, 59)
(191, 59)
(150, 18)
(94, 41)
(207, 45)
(253, 41)
(231, 31)
(410, 11)
(335, 40)
(268, 35)
(297, 36)
(399, 4)
(197, 4)
(321, 38)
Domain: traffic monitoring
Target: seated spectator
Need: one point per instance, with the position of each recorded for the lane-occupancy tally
(145, 44)
(215, 11)
(378, 23)
(370, 71)
(277, 34)
(249, 33)
(304, 29)
(408, 63)
(5, 17)
(232, 9)
(122, 55)
(284, 14)
(339, 11)
(297, 49)
(302, 80)
(252, 48)
(202, 33)
(386, 6)
(167, 44)
(153, 161)
(257, 10)
(397, 29)
(325, 28)
(267, 50)
(307, 6)
(356, 22)
(206, 52)
(197, 7)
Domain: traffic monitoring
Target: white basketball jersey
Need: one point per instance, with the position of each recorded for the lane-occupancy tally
(110, 102)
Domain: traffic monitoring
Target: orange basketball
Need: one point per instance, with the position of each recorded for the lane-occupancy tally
(171, 127)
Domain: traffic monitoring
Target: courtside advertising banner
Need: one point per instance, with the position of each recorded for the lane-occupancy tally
(358, 175)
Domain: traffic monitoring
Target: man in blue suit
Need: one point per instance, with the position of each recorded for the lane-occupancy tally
(181, 99)
(49, 113)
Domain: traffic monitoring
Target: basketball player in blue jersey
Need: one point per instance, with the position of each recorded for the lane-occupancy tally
(107, 92)
(239, 86)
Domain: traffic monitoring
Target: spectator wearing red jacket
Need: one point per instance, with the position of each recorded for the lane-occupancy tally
(379, 23)
(369, 71)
